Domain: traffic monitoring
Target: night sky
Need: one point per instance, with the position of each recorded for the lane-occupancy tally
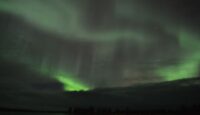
(86, 44)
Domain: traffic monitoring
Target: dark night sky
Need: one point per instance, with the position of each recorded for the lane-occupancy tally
(102, 43)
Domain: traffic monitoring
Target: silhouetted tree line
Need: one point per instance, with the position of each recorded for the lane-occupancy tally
(111, 110)
(182, 109)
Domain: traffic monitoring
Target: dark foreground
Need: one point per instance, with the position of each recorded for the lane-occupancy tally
(180, 96)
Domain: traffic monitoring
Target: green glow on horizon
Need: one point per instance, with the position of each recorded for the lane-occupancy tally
(69, 81)
(71, 84)
(189, 65)
(186, 69)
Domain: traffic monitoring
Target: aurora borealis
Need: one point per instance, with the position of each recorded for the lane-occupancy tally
(107, 43)
(72, 85)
